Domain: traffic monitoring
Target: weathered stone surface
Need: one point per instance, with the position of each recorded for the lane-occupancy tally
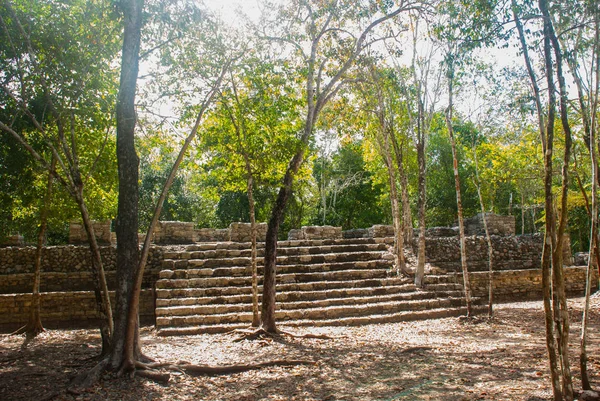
(315, 233)
(497, 225)
(356, 233)
(78, 235)
(510, 252)
(378, 231)
(241, 232)
(212, 234)
(439, 232)
(526, 284)
(175, 232)
(62, 307)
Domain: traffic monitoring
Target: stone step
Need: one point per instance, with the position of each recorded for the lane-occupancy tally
(174, 264)
(345, 285)
(442, 278)
(203, 306)
(281, 279)
(243, 313)
(207, 246)
(403, 316)
(238, 271)
(302, 250)
(246, 296)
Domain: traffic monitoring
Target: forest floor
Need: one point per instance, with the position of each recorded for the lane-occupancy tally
(446, 359)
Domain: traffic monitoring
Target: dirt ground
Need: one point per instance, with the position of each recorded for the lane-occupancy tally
(446, 359)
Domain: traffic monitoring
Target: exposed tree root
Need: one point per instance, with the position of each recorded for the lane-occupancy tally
(154, 375)
(85, 380)
(198, 370)
(156, 371)
(261, 333)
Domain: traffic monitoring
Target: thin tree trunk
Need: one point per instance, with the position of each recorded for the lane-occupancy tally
(407, 227)
(488, 240)
(522, 213)
(593, 256)
(131, 335)
(399, 263)
(461, 225)
(253, 267)
(34, 326)
(592, 264)
(547, 139)
(100, 286)
(420, 273)
(559, 286)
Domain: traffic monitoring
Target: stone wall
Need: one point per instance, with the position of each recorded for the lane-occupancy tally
(78, 235)
(174, 232)
(497, 225)
(241, 232)
(513, 252)
(315, 232)
(526, 284)
(212, 235)
(65, 268)
(64, 308)
(380, 231)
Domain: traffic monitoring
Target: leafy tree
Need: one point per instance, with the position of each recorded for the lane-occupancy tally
(56, 100)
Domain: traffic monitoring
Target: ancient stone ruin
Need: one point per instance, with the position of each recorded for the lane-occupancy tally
(197, 280)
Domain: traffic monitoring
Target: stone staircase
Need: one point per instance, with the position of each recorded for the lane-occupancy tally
(206, 288)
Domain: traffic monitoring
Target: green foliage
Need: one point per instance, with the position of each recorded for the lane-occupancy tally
(61, 73)
(348, 194)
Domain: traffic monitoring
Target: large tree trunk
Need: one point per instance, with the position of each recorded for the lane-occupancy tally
(461, 225)
(128, 162)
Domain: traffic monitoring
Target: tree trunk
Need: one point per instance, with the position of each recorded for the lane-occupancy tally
(488, 240)
(407, 227)
(593, 256)
(398, 235)
(562, 312)
(128, 162)
(267, 315)
(592, 264)
(420, 273)
(253, 267)
(547, 138)
(100, 286)
(461, 225)
(34, 325)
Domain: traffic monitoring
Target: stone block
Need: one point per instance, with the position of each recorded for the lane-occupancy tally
(381, 231)
(78, 235)
(241, 232)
